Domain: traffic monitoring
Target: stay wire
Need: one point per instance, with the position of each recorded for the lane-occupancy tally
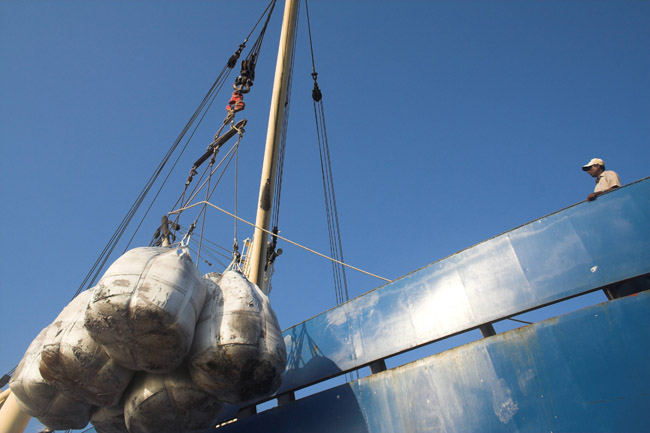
(279, 237)
(112, 243)
(257, 46)
(327, 192)
(336, 245)
(212, 255)
(207, 262)
(311, 45)
(211, 189)
(187, 142)
(253, 54)
(334, 209)
(271, 5)
(235, 57)
(227, 157)
(204, 211)
(103, 257)
(236, 191)
(215, 246)
(197, 126)
(198, 186)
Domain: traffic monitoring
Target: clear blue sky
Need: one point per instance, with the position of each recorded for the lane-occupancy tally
(449, 122)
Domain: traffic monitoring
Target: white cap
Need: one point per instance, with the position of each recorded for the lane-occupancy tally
(594, 161)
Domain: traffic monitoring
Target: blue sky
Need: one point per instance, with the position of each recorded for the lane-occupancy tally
(449, 122)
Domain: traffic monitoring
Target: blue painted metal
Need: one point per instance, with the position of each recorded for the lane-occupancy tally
(576, 250)
(584, 371)
(582, 248)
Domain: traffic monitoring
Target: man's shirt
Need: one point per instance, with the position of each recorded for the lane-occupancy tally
(607, 180)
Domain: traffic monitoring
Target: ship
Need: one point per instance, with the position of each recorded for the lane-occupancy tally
(585, 370)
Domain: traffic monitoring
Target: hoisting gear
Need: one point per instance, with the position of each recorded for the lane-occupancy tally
(242, 84)
(236, 254)
(164, 235)
(236, 102)
(214, 147)
(186, 239)
(232, 61)
(316, 93)
(271, 252)
(246, 76)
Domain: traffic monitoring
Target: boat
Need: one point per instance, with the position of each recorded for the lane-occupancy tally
(538, 377)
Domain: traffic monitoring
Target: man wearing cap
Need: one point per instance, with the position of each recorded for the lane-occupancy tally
(606, 180)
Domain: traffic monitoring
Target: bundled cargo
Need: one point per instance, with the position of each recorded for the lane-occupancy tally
(144, 308)
(169, 403)
(78, 366)
(238, 352)
(40, 399)
(109, 419)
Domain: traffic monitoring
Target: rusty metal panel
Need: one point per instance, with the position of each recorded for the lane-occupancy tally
(564, 254)
(584, 371)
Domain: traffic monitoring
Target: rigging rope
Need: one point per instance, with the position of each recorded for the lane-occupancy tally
(241, 86)
(336, 245)
(235, 246)
(334, 234)
(209, 192)
(278, 236)
(99, 264)
(245, 80)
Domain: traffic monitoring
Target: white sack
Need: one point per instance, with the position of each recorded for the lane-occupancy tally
(40, 399)
(144, 309)
(169, 403)
(238, 352)
(78, 366)
(109, 419)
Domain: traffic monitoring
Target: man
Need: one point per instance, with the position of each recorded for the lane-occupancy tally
(606, 180)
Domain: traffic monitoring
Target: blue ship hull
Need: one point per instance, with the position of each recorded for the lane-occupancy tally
(587, 370)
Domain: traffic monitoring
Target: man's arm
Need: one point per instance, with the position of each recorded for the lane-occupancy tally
(593, 195)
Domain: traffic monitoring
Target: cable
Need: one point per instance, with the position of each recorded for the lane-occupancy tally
(112, 243)
(208, 99)
(99, 264)
(218, 85)
(336, 245)
(279, 237)
(333, 227)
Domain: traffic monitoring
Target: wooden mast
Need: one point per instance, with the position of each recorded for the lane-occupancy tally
(12, 419)
(257, 254)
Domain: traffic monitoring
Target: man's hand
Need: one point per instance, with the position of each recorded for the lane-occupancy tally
(593, 195)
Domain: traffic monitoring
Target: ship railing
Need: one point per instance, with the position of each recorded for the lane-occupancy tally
(592, 246)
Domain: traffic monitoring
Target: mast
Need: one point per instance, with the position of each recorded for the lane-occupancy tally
(12, 419)
(276, 118)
